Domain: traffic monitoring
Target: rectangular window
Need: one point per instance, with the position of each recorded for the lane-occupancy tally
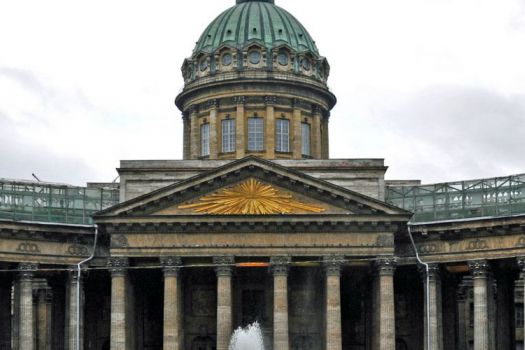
(255, 134)
(205, 140)
(305, 138)
(228, 135)
(282, 135)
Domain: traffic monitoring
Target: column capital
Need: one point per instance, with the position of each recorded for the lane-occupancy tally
(224, 265)
(270, 100)
(521, 262)
(332, 264)
(73, 275)
(118, 266)
(280, 265)
(213, 103)
(385, 265)
(193, 109)
(316, 109)
(27, 270)
(479, 268)
(49, 296)
(434, 271)
(240, 100)
(171, 265)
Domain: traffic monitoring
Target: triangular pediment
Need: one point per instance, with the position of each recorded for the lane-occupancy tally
(251, 187)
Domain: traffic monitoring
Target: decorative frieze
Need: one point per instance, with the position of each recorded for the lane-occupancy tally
(385, 240)
(119, 241)
(428, 248)
(77, 250)
(28, 247)
(477, 244)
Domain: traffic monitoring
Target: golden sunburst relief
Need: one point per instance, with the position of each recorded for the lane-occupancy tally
(250, 197)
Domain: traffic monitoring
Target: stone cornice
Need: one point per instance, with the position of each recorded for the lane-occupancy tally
(451, 230)
(250, 224)
(46, 232)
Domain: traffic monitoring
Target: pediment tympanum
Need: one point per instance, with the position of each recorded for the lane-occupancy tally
(250, 197)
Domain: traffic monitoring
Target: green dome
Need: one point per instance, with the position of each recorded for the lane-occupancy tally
(256, 21)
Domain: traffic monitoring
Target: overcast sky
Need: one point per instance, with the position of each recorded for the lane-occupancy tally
(436, 87)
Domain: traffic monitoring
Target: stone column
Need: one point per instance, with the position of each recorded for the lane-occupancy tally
(316, 132)
(173, 332)
(297, 132)
(480, 274)
(119, 320)
(376, 312)
(186, 135)
(214, 134)
(434, 308)
(195, 132)
(521, 263)
(44, 319)
(26, 331)
(75, 311)
(280, 267)
(332, 265)
(240, 132)
(462, 320)
(270, 126)
(325, 137)
(5, 312)
(505, 310)
(224, 268)
(386, 330)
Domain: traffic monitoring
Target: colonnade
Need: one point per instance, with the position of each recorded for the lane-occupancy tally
(29, 335)
(384, 328)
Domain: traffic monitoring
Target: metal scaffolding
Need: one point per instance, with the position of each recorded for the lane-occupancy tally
(494, 197)
(57, 203)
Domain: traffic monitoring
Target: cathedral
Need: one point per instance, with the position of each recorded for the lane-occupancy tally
(257, 224)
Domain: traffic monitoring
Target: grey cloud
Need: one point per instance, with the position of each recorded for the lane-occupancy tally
(477, 132)
(58, 99)
(19, 159)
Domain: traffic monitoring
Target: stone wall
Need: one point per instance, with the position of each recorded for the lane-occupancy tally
(366, 176)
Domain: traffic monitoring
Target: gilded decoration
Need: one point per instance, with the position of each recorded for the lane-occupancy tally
(251, 197)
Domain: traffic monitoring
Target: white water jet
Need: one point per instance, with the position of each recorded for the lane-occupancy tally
(249, 338)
